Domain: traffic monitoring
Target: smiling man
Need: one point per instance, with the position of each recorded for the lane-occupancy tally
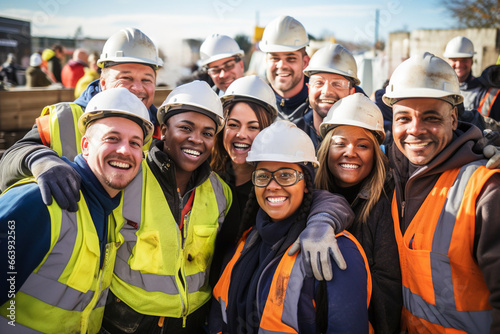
(332, 74)
(460, 52)
(129, 59)
(445, 208)
(221, 58)
(284, 41)
(61, 262)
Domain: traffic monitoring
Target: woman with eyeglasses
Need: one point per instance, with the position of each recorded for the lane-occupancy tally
(249, 107)
(263, 288)
(352, 164)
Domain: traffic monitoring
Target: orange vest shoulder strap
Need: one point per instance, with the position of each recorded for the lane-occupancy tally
(43, 125)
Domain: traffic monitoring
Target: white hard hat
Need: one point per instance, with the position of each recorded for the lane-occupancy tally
(252, 88)
(194, 96)
(333, 58)
(117, 102)
(35, 59)
(217, 47)
(355, 110)
(459, 47)
(284, 34)
(129, 45)
(423, 76)
(283, 141)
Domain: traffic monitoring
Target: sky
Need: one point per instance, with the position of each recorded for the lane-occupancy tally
(165, 20)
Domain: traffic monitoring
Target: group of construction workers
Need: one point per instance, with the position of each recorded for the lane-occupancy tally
(111, 214)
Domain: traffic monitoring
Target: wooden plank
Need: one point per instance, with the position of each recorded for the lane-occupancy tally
(20, 107)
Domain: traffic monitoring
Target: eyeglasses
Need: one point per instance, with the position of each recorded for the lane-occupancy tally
(227, 66)
(337, 84)
(285, 177)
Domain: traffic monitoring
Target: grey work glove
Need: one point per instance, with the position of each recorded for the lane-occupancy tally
(56, 179)
(493, 154)
(490, 151)
(318, 243)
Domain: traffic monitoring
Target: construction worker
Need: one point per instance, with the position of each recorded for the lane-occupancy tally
(332, 73)
(284, 41)
(352, 164)
(57, 265)
(459, 52)
(222, 59)
(74, 68)
(129, 59)
(249, 107)
(486, 101)
(172, 211)
(264, 289)
(445, 206)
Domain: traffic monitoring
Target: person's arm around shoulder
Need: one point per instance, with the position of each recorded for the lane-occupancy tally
(330, 214)
(25, 236)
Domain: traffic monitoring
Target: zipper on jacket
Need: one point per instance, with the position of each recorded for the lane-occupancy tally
(403, 203)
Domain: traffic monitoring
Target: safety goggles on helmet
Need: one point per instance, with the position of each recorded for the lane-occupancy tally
(226, 67)
(285, 177)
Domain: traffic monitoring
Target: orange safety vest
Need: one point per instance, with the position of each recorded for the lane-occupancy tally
(278, 316)
(487, 101)
(443, 287)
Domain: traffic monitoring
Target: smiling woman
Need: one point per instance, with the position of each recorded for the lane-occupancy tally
(252, 282)
(353, 165)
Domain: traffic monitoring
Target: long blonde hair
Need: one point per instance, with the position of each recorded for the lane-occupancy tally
(374, 181)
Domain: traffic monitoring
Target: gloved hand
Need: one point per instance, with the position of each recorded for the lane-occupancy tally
(493, 154)
(57, 179)
(318, 243)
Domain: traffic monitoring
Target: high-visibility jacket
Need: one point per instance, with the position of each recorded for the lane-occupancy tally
(159, 271)
(280, 309)
(67, 292)
(443, 287)
(487, 101)
(58, 129)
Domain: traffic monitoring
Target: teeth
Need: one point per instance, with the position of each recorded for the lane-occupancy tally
(119, 164)
(191, 152)
(418, 144)
(349, 166)
(242, 146)
(328, 101)
(276, 199)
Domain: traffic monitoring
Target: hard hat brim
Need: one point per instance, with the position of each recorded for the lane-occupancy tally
(280, 48)
(206, 62)
(88, 117)
(391, 97)
(314, 70)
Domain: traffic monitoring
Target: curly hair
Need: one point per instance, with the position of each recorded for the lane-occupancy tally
(219, 154)
(374, 181)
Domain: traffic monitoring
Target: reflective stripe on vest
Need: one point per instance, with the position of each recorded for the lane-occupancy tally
(280, 313)
(487, 101)
(65, 138)
(156, 264)
(443, 286)
(59, 296)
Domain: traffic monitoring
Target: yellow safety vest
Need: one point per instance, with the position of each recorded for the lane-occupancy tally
(159, 271)
(67, 292)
